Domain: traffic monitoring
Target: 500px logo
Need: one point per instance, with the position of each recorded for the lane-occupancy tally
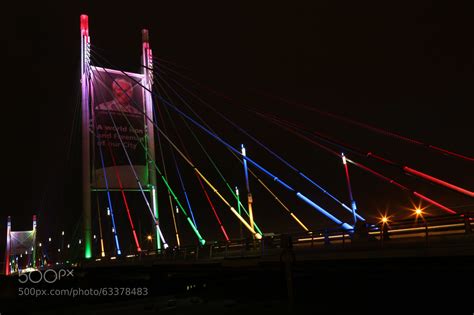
(48, 276)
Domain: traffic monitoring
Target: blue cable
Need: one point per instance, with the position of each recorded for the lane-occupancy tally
(119, 252)
(344, 225)
(324, 191)
(180, 179)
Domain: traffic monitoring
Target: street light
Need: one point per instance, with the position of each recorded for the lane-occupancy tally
(62, 240)
(418, 209)
(150, 239)
(385, 236)
(419, 212)
(384, 219)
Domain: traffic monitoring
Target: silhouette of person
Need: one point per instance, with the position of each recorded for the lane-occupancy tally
(385, 234)
(122, 102)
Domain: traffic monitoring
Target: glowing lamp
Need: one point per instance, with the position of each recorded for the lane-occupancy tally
(84, 24)
(244, 153)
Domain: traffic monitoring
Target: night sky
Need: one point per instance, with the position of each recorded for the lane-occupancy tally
(406, 67)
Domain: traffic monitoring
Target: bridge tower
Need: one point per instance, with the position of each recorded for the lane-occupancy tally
(147, 71)
(86, 125)
(18, 243)
(8, 246)
(138, 174)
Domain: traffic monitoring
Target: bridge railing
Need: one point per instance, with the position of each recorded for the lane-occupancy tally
(429, 228)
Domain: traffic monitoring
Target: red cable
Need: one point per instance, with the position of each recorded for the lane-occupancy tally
(337, 117)
(375, 156)
(438, 181)
(198, 177)
(374, 129)
(124, 198)
(213, 209)
(387, 179)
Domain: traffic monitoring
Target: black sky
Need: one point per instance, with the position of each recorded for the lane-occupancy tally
(405, 66)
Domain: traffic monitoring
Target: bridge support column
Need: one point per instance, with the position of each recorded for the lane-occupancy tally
(86, 123)
(33, 254)
(147, 70)
(7, 247)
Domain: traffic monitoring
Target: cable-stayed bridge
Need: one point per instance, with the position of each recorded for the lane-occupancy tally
(145, 141)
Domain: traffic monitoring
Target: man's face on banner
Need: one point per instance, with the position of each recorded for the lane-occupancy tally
(122, 91)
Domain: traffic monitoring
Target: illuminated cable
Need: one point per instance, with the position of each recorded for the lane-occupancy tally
(361, 166)
(377, 157)
(240, 205)
(216, 137)
(202, 147)
(224, 232)
(268, 149)
(374, 129)
(201, 240)
(102, 251)
(124, 199)
(133, 170)
(177, 168)
(109, 199)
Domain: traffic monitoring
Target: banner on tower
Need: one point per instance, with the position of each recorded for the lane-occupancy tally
(118, 124)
